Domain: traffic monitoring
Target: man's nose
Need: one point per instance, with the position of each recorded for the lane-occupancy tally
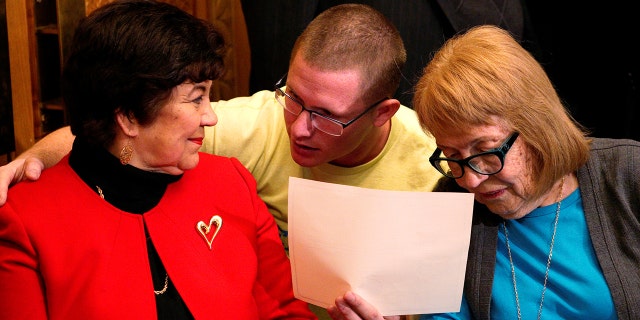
(303, 123)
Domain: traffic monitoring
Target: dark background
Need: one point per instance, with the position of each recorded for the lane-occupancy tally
(589, 50)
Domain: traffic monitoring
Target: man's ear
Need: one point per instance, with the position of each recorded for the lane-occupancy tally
(128, 124)
(385, 110)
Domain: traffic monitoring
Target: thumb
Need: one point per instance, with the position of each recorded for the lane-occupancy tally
(33, 168)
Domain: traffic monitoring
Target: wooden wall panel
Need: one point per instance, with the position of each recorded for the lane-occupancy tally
(22, 63)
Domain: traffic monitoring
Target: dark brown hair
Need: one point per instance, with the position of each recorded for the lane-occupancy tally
(127, 56)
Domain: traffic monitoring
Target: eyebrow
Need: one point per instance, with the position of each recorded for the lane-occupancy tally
(199, 86)
(472, 144)
(292, 93)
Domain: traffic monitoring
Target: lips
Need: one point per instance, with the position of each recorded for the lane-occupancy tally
(304, 147)
(197, 141)
(302, 150)
(301, 146)
(491, 195)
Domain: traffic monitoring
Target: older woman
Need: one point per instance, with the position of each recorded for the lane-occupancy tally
(556, 226)
(135, 223)
(556, 229)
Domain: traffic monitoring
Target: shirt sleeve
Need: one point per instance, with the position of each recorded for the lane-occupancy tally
(274, 288)
(21, 287)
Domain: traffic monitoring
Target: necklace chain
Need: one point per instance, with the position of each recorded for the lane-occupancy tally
(166, 285)
(166, 278)
(546, 273)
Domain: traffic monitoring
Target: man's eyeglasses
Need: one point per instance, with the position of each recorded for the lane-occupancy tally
(487, 163)
(319, 121)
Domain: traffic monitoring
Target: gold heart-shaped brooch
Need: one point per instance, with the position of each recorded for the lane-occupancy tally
(204, 229)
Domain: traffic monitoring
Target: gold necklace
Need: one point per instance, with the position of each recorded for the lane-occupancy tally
(166, 278)
(546, 273)
(166, 285)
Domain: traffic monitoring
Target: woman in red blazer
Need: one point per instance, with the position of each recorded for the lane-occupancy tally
(135, 223)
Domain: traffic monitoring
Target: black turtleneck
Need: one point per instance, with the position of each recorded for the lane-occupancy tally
(136, 191)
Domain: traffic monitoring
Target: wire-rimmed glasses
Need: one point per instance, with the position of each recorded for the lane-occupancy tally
(319, 121)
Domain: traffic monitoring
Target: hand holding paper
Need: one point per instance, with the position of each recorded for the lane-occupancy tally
(404, 252)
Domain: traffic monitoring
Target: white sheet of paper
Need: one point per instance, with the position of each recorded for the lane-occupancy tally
(404, 252)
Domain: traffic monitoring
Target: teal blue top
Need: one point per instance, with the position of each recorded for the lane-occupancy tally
(576, 288)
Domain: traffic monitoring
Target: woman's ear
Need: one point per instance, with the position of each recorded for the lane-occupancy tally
(385, 110)
(127, 123)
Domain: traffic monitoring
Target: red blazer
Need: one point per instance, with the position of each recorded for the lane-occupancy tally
(65, 253)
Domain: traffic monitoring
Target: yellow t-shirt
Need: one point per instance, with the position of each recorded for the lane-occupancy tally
(253, 130)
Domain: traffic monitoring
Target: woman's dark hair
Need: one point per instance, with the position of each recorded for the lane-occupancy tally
(127, 56)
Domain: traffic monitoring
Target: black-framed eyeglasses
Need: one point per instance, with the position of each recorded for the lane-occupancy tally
(319, 121)
(487, 163)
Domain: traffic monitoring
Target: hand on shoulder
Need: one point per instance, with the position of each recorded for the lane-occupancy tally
(20, 169)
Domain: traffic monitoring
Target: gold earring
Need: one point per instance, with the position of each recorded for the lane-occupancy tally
(126, 153)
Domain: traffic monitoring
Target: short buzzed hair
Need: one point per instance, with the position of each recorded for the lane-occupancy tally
(355, 37)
